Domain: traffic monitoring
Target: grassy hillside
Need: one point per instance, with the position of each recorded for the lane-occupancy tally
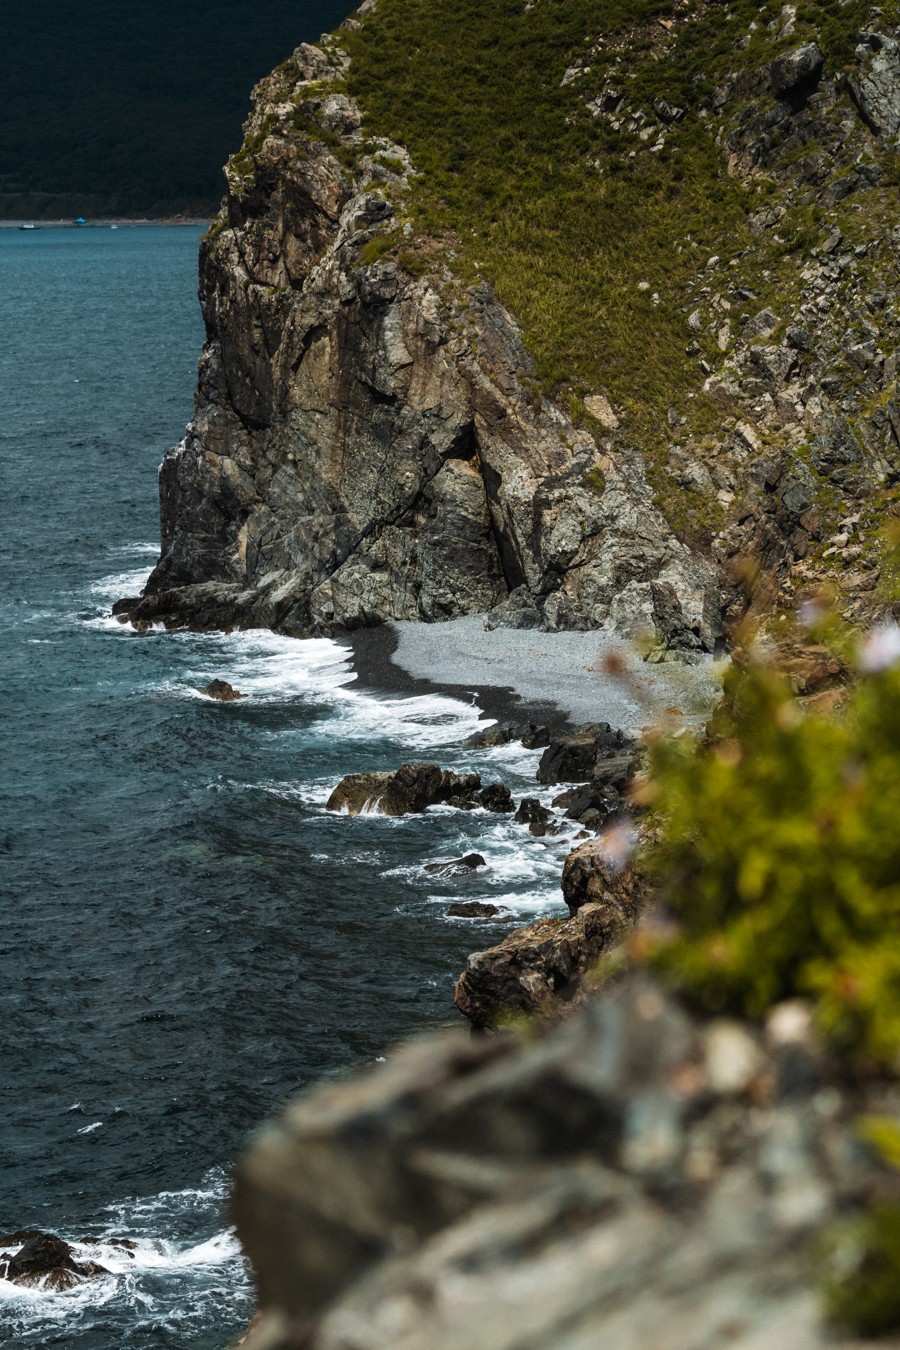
(593, 232)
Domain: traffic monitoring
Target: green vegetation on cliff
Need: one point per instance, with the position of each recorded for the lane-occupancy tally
(589, 241)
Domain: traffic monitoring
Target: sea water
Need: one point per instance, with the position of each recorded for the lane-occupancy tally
(187, 937)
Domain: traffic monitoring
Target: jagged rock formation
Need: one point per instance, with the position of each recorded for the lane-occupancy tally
(413, 788)
(633, 1178)
(364, 446)
(544, 968)
(44, 1261)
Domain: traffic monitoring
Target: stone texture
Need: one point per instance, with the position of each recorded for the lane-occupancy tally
(876, 84)
(410, 789)
(575, 756)
(44, 1261)
(590, 1186)
(222, 691)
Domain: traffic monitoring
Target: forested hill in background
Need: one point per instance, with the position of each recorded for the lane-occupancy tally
(132, 109)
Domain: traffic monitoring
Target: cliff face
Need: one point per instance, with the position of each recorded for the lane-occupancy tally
(365, 443)
(372, 438)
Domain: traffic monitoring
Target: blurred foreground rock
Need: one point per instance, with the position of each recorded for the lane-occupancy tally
(633, 1178)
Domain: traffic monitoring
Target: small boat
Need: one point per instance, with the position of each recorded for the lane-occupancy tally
(29, 226)
(113, 227)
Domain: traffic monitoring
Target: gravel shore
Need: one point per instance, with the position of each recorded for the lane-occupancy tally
(526, 675)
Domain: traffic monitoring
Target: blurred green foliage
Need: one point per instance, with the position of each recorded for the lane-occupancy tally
(779, 849)
(862, 1264)
(780, 857)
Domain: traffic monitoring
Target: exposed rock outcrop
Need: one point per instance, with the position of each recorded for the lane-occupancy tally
(222, 691)
(633, 1178)
(578, 756)
(456, 867)
(473, 909)
(543, 968)
(44, 1261)
(410, 789)
(364, 445)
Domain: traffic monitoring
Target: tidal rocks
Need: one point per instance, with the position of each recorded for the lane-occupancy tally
(632, 1177)
(539, 969)
(529, 734)
(577, 756)
(413, 788)
(222, 691)
(538, 818)
(473, 909)
(496, 797)
(410, 789)
(455, 867)
(44, 1261)
(542, 968)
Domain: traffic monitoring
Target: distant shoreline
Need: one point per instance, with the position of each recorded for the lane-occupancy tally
(104, 222)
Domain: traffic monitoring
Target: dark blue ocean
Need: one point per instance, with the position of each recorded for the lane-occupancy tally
(186, 937)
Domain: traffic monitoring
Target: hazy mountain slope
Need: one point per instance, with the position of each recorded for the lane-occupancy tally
(133, 108)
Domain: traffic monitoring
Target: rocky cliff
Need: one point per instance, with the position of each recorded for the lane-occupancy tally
(365, 446)
(373, 439)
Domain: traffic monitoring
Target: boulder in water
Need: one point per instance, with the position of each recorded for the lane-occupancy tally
(455, 867)
(577, 756)
(538, 818)
(473, 909)
(44, 1260)
(222, 691)
(497, 797)
(409, 790)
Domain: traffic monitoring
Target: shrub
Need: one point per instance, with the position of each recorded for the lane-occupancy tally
(779, 856)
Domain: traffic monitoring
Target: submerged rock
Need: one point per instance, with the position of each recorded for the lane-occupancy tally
(473, 909)
(45, 1261)
(222, 691)
(456, 866)
(408, 790)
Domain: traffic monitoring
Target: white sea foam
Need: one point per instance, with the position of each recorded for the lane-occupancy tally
(418, 722)
(89, 1129)
(117, 584)
(149, 1274)
(135, 550)
(530, 903)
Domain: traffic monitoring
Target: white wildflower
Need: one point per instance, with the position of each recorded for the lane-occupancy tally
(617, 843)
(881, 649)
(810, 614)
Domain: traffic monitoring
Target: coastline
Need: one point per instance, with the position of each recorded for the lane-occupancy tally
(556, 680)
(104, 222)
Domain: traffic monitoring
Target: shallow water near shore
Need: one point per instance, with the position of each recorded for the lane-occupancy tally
(188, 938)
